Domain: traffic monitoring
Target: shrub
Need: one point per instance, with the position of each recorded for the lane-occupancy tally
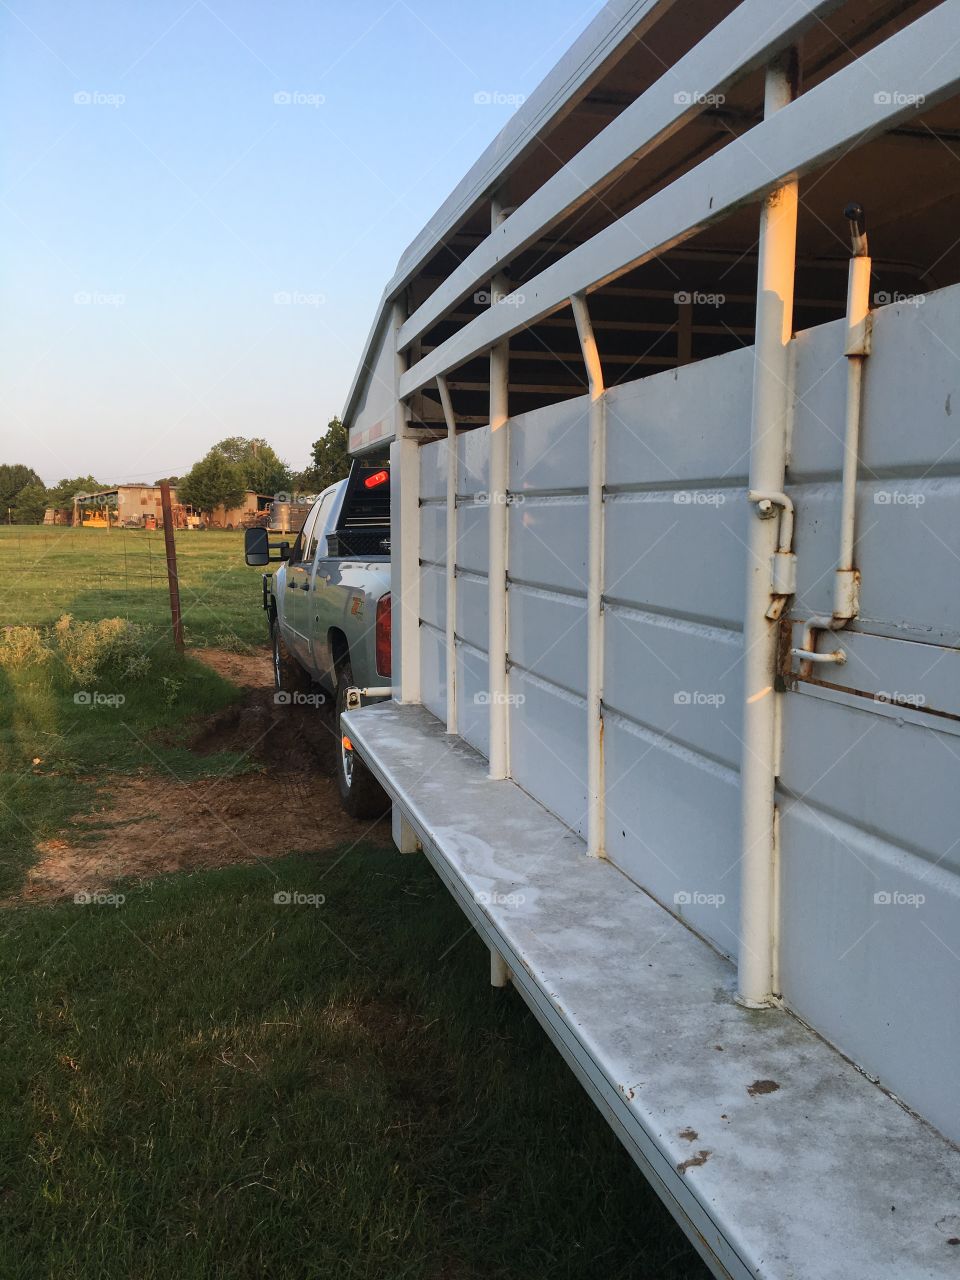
(23, 647)
(89, 649)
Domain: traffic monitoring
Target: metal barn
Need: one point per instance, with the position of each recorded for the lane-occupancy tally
(671, 387)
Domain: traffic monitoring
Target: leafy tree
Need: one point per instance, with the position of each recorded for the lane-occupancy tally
(14, 477)
(212, 482)
(61, 494)
(331, 462)
(171, 480)
(30, 504)
(262, 469)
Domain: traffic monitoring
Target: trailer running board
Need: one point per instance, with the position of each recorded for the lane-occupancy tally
(774, 1153)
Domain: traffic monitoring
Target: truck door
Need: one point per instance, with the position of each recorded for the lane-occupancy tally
(295, 613)
(318, 604)
(314, 544)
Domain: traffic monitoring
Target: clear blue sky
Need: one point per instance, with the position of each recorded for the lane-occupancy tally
(146, 232)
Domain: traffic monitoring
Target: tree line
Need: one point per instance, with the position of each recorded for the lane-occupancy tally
(219, 478)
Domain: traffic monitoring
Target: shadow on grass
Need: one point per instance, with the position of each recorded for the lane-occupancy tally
(206, 1082)
(59, 741)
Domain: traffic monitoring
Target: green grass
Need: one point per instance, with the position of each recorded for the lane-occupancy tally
(121, 573)
(55, 752)
(93, 574)
(203, 1083)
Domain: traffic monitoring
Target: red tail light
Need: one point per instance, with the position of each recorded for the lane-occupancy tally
(383, 635)
(378, 477)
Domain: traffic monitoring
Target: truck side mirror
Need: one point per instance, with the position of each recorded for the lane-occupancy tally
(256, 546)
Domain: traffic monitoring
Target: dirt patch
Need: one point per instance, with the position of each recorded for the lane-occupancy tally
(150, 824)
(253, 670)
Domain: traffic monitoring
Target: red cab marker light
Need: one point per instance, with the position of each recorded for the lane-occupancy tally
(378, 477)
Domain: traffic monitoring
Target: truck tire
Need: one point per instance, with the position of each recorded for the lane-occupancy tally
(360, 792)
(288, 676)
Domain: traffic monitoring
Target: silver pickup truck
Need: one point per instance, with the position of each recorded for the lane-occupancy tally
(328, 607)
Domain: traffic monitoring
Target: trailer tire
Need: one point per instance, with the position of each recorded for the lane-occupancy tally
(360, 792)
(288, 676)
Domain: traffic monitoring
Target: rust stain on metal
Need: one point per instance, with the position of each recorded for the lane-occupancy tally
(762, 1086)
(694, 1162)
(689, 1135)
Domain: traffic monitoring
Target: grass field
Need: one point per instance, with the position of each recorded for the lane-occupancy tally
(100, 573)
(200, 1081)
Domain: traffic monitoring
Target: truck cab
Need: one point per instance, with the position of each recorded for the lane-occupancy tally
(328, 609)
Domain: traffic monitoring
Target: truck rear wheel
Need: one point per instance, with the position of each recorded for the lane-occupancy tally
(288, 676)
(360, 792)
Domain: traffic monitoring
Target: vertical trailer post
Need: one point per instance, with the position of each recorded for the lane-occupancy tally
(451, 560)
(596, 799)
(404, 539)
(499, 533)
(768, 450)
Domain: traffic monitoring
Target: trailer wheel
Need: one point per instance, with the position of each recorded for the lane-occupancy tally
(360, 792)
(288, 676)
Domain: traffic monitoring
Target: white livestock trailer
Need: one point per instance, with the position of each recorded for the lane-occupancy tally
(671, 384)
